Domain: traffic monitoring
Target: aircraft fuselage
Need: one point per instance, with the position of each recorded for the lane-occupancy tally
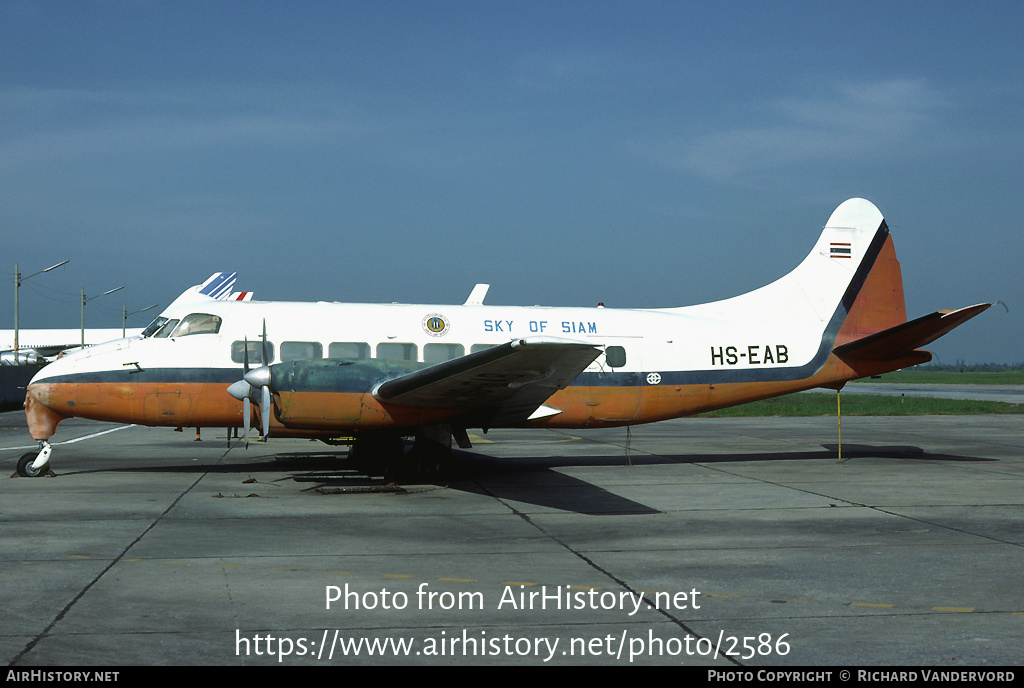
(653, 364)
(337, 368)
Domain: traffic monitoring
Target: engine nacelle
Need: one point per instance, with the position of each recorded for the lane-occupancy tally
(20, 358)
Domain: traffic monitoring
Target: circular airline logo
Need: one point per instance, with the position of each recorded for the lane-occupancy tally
(435, 324)
(653, 378)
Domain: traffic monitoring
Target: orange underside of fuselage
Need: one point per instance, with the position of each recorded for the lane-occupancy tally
(326, 414)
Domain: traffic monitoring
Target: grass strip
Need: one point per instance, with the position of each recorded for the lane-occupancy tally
(948, 377)
(824, 404)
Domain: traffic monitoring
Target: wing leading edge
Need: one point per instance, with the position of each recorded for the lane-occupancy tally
(507, 383)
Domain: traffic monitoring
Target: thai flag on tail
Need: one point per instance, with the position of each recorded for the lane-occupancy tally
(838, 249)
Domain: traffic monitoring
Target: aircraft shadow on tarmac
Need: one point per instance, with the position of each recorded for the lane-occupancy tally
(527, 480)
(535, 480)
(831, 451)
(531, 480)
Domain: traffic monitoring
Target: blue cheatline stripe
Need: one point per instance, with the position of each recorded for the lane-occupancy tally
(224, 376)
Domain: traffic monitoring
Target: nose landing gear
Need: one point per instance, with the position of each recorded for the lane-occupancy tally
(36, 464)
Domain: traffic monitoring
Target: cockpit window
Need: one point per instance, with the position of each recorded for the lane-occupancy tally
(150, 330)
(166, 328)
(197, 323)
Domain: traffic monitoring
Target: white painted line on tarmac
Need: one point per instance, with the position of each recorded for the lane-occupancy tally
(71, 441)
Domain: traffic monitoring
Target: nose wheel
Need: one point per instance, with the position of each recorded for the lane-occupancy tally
(35, 464)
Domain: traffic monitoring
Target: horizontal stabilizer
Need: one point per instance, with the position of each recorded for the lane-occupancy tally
(508, 382)
(902, 339)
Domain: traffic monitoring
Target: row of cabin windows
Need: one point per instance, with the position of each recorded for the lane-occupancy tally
(205, 323)
(398, 351)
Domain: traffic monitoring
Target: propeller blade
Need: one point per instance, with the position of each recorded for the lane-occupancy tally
(242, 391)
(265, 352)
(246, 418)
(245, 389)
(265, 411)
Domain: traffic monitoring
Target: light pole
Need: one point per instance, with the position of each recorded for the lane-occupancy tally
(90, 299)
(18, 279)
(125, 314)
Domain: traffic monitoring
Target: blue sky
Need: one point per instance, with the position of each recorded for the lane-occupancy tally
(635, 153)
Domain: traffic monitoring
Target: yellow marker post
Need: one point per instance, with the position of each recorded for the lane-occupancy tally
(839, 421)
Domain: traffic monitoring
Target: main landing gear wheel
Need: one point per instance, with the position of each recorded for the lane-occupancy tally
(378, 454)
(428, 459)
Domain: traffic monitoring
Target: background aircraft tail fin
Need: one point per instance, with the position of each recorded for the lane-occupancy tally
(218, 286)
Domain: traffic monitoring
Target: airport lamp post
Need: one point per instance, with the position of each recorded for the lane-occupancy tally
(90, 299)
(125, 314)
(18, 279)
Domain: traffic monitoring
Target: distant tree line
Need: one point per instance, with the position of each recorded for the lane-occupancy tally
(962, 366)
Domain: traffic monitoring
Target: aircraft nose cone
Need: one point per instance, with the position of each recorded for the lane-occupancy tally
(239, 390)
(42, 419)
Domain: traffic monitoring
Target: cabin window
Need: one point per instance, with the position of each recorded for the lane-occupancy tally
(348, 350)
(397, 351)
(301, 351)
(255, 351)
(197, 323)
(615, 356)
(439, 353)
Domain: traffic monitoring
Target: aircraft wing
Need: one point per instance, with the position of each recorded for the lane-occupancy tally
(506, 383)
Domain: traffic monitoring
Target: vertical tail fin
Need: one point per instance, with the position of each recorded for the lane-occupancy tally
(875, 301)
(848, 287)
(842, 307)
(854, 251)
(817, 295)
(875, 327)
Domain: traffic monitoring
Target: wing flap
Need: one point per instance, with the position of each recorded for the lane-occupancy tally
(507, 383)
(902, 339)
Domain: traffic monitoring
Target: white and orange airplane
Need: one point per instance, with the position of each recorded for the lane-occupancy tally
(381, 372)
